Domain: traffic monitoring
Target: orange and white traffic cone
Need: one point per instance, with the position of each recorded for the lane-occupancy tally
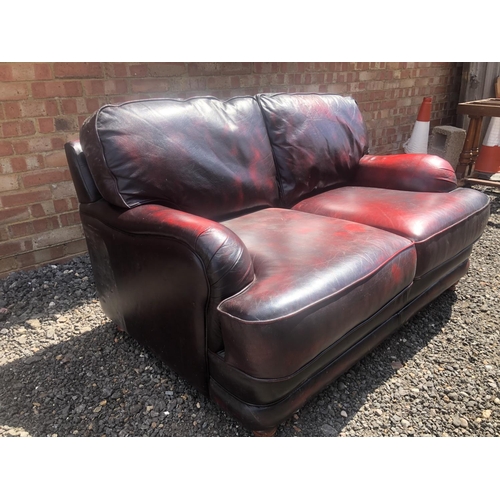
(488, 161)
(419, 139)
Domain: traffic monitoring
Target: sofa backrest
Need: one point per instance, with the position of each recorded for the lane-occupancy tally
(201, 155)
(317, 141)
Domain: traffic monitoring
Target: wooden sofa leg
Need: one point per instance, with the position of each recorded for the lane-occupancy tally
(266, 433)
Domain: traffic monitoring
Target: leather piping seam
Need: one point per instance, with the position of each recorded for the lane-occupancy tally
(320, 94)
(156, 99)
(319, 301)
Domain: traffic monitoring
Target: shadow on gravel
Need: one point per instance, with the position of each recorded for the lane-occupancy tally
(494, 225)
(494, 207)
(331, 410)
(102, 383)
(495, 201)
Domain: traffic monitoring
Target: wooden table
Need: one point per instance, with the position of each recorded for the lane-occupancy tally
(476, 110)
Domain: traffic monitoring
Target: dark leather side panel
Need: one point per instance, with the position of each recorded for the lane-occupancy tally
(154, 288)
(227, 265)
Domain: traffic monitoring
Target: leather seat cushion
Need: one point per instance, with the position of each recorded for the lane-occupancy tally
(440, 224)
(315, 279)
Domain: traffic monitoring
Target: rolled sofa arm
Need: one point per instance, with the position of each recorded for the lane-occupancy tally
(406, 172)
(161, 273)
(226, 260)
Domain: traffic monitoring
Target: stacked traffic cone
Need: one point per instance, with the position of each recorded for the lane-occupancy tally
(488, 161)
(420, 136)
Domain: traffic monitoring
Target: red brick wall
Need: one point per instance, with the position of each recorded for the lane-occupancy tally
(42, 106)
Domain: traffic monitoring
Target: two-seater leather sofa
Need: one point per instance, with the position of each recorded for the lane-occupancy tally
(253, 244)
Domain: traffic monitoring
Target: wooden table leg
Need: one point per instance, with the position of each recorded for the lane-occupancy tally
(476, 145)
(470, 150)
(266, 433)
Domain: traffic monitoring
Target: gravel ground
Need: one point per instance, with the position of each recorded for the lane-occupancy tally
(65, 370)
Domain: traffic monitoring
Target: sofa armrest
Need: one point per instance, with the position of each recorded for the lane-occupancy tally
(406, 172)
(160, 275)
(226, 260)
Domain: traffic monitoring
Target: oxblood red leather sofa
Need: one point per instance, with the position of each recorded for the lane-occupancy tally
(256, 247)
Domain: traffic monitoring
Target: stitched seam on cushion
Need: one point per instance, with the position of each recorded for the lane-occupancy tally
(323, 299)
(208, 97)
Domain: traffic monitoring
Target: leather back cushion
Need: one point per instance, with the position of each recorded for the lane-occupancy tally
(201, 155)
(317, 141)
